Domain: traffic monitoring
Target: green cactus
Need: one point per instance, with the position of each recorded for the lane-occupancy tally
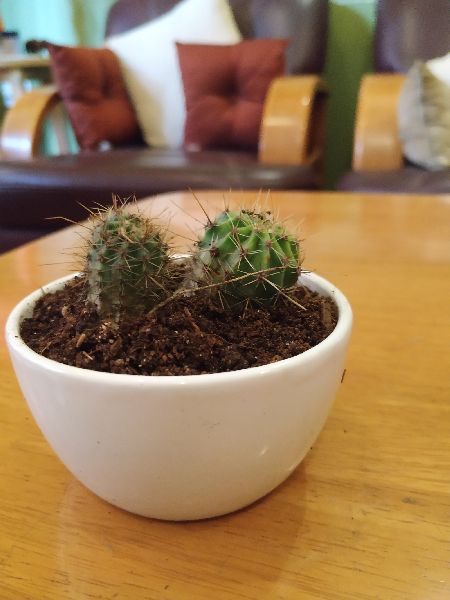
(125, 263)
(240, 243)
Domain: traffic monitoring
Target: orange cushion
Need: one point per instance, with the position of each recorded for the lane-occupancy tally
(90, 84)
(225, 87)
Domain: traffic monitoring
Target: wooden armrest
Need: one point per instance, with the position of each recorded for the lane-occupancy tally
(377, 144)
(292, 129)
(23, 124)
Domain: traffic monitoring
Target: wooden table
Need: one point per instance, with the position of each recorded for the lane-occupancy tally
(367, 513)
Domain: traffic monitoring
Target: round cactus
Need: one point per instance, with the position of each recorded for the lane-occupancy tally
(241, 243)
(125, 262)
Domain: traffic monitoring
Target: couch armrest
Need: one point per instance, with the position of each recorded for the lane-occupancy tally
(23, 125)
(293, 125)
(377, 144)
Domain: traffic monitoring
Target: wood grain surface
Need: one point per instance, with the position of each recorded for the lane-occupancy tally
(377, 145)
(294, 112)
(23, 125)
(367, 513)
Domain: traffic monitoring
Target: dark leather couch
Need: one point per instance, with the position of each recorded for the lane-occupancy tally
(406, 30)
(32, 190)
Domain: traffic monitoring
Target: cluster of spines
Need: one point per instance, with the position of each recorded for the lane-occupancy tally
(126, 262)
(246, 256)
(250, 255)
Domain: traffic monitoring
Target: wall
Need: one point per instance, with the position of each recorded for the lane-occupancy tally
(348, 53)
(349, 56)
(60, 21)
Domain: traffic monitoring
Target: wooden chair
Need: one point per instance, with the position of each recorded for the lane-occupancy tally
(406, 30)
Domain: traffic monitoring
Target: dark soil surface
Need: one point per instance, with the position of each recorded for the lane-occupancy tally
(187, 336)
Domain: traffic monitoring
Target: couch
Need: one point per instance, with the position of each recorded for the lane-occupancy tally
(34, 187)
(406, 31)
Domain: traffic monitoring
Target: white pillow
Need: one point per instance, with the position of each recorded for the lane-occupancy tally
(424, 114)
(149, 63)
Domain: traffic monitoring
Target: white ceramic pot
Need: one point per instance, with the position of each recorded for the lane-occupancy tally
(183, 447)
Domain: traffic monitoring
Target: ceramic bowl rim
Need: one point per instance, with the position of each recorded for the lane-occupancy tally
(343, 326)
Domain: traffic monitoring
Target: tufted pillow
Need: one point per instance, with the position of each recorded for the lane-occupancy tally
(148, 58)
(90, 83)
(225, 88)
(424, 114)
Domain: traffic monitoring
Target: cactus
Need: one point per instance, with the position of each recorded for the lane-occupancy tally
(125, 263)
(240, 243)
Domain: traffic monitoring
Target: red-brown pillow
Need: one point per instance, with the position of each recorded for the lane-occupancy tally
(90, 84)
(225, 88)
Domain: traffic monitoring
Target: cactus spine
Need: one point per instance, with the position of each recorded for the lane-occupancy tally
(240, 243)
(126, 262)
